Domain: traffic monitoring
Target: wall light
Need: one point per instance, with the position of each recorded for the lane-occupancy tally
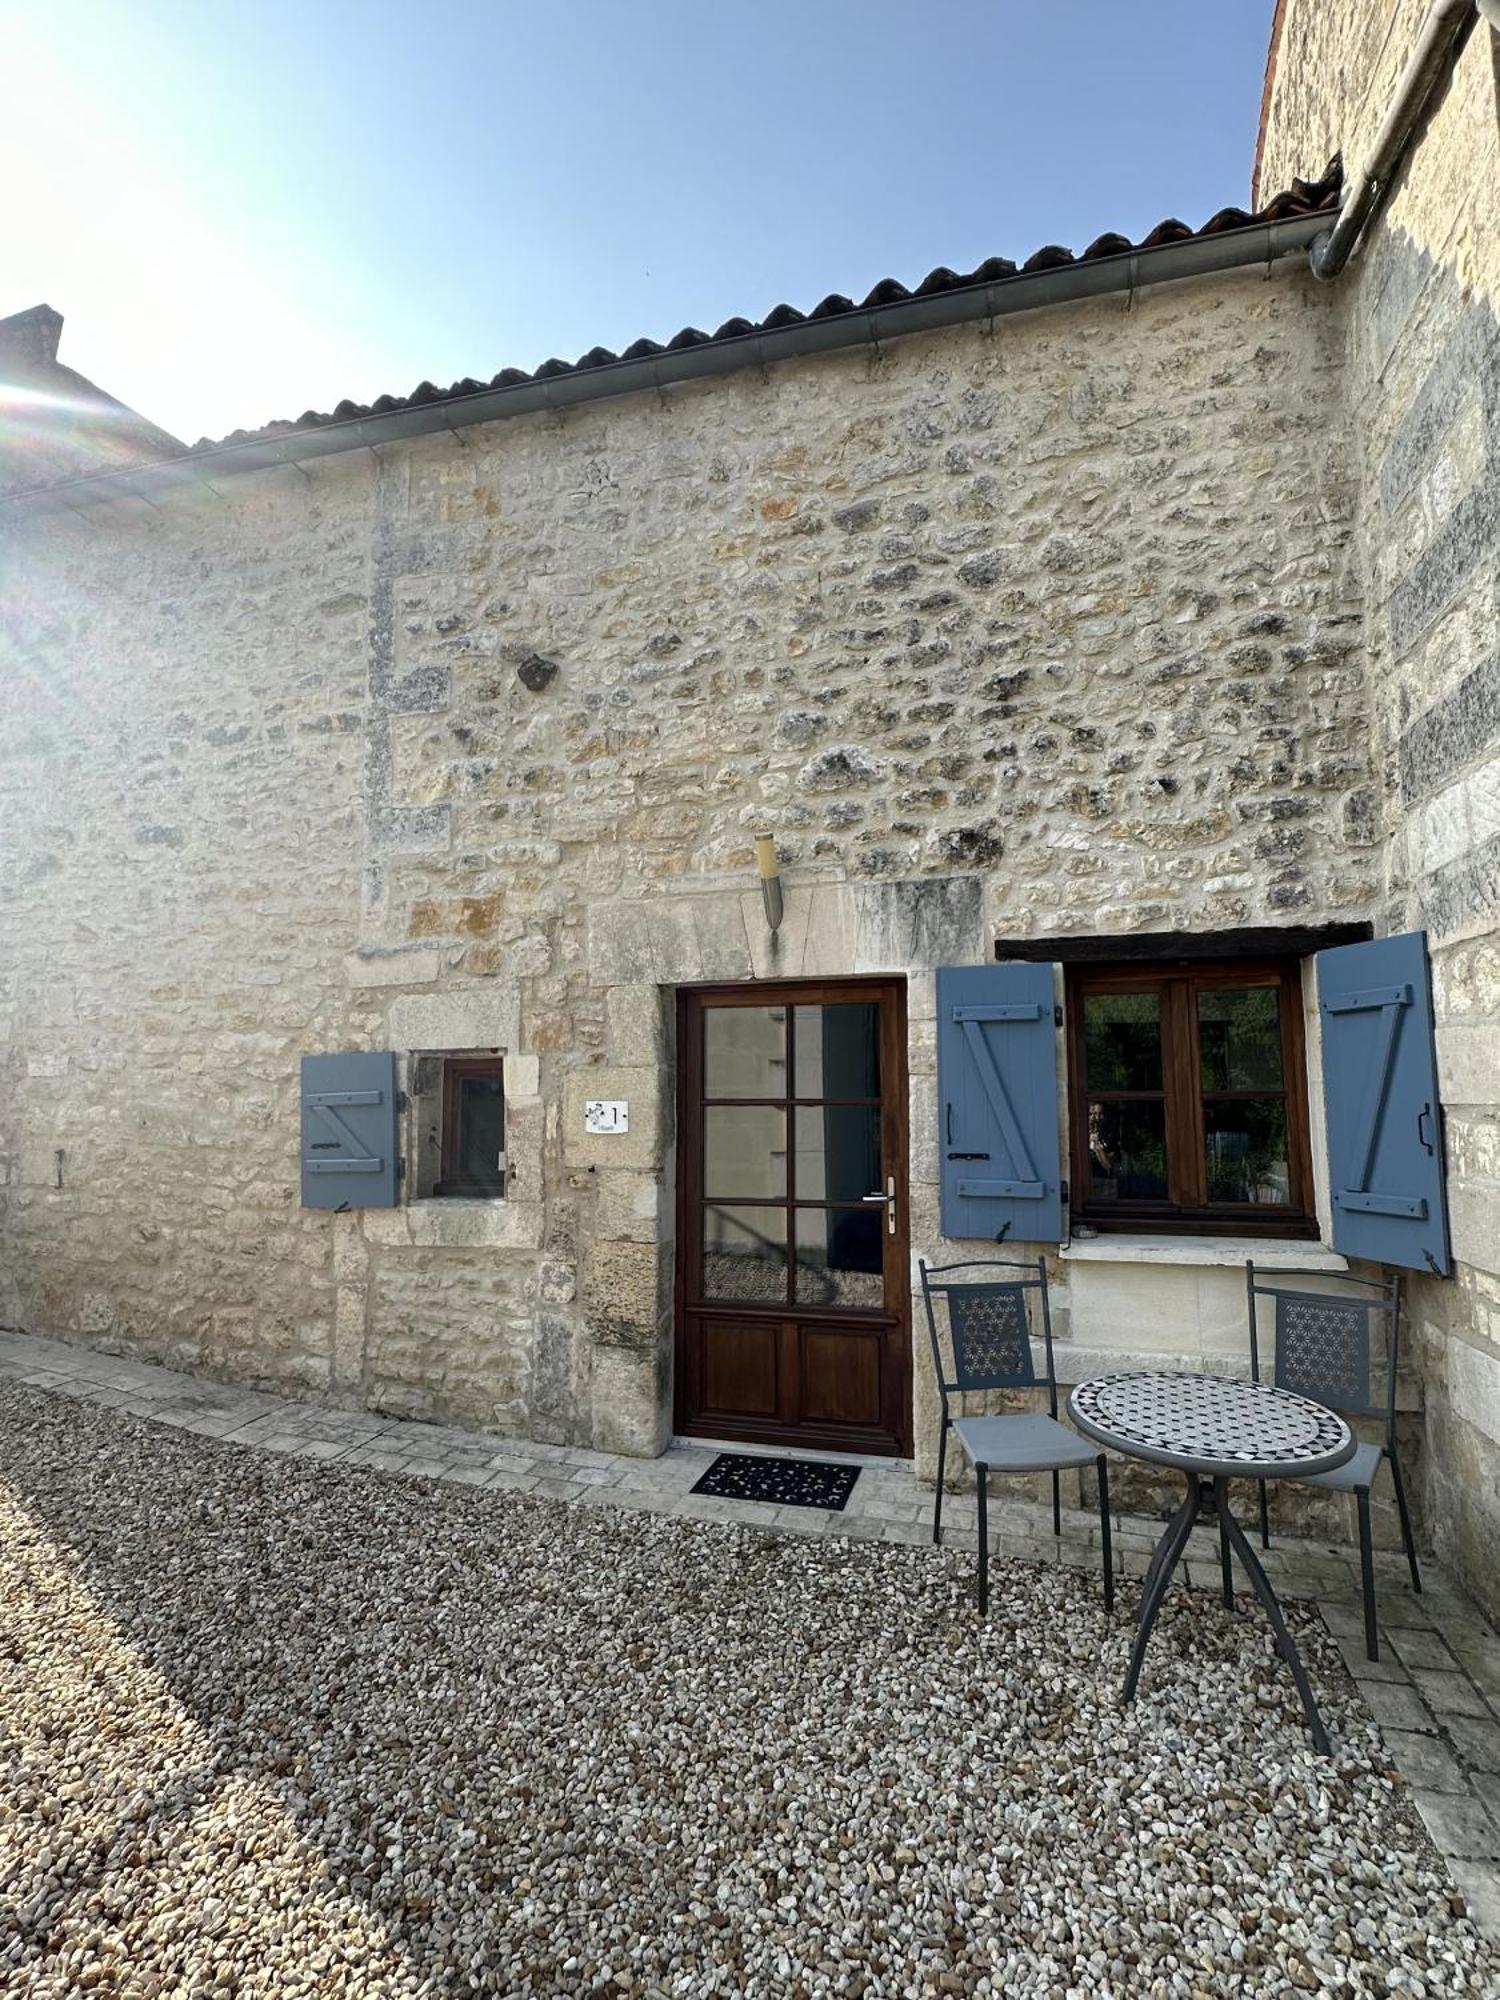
(770, 879)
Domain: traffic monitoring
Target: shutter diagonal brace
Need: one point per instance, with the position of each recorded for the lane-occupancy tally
(1027, 1187)
(1390, 1000)
(352, 1160)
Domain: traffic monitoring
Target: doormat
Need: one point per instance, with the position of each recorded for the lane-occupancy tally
(787, 1482)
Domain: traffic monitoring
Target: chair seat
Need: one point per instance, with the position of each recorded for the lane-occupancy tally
(1357, 1476)
(1024, 1443)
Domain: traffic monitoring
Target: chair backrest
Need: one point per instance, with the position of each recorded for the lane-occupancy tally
(1331, 1345)
(989, 1325)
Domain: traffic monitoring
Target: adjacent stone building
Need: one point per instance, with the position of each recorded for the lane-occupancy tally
(1133, 612)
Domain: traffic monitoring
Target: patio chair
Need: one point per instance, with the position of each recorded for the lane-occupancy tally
(990, 1332)
(1327, 1350)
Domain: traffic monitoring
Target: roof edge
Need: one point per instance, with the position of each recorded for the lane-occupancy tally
(1273, 51)
(1025, 291)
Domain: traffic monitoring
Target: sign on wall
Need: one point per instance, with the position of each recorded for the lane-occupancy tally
(606, 1114)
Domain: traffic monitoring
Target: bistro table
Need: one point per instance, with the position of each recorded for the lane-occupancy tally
(1213, 1429)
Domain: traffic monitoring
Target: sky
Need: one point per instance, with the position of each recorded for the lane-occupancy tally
(245, 209)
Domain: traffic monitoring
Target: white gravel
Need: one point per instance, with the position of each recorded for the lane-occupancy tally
(270, 1728)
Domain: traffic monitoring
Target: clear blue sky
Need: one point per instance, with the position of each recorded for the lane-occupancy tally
(251, 207)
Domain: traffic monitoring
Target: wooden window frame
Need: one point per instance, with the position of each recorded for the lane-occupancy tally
(449, 1185)
(1187, 1211)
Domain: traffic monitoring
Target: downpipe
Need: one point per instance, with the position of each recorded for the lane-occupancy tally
(1437, 43)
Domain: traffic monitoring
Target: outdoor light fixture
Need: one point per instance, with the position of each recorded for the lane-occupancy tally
(770, 879)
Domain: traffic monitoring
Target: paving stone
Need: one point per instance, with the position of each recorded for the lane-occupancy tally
(1460, 1826)
(1478, 1882)
(1476, 1740)
(1450, 1694)
(1396, 1707)
(1363, 1668)
(1419, 1647)
(1426, 1762)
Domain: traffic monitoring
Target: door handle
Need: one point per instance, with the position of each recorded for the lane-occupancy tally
(888, 1202)
(1424, 1117)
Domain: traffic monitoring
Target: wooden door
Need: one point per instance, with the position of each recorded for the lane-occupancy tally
(793, 1315)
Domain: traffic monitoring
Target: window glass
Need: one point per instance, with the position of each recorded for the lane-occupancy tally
(744, 1254)
(1127, 1146)
(840, 1256)
(744, 1151)
(838, 1151)
(1239, 1038)
(1122, 1041)
(481, 1130)
(744, 1052)
(1246, 1143)
(838, 1050)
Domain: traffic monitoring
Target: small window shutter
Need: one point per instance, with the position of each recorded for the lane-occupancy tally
(1385, 1135)
(349, 1131)
(998, 1136)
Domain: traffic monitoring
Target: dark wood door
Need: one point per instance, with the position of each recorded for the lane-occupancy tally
(793, 1317)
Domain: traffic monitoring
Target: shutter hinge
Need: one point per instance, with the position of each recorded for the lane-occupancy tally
(1057, 1017)
(1063, 1190)
(400, 1167)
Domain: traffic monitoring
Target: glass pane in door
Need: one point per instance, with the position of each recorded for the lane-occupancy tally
(744, 1254)
(744, 1052)
(838, 1050)
(744, 1152)
(840, 1256)
(838, 1152)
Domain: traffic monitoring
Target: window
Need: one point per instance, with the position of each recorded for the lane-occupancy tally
(472, 1137)
(1188, 1098)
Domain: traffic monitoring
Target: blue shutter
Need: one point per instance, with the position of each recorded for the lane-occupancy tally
(998, 1137)
(349, 1131)
(1385, 1134)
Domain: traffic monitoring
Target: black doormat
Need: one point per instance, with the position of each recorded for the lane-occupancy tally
(788, 1482)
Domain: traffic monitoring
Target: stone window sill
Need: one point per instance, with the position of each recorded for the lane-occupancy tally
(1275, 1253)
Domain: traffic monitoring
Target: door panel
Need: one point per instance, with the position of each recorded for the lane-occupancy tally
(792, 1283)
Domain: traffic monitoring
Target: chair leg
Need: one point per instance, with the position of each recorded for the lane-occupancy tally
(937, 1505)
(1265, 1518)
(1104, 1534)
(1367, 1576)
(1406, 1533)
(1226, 1574)
(982, 1474)
(1057, 1503)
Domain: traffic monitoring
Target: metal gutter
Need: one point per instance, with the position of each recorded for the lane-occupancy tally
(1437, 43)
(1259, 243)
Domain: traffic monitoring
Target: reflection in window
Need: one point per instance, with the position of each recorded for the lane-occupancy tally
(1122, 1041)
(840, 1256)
(744, 1254)
(838, 1151)
(1247, 1150)
(1239, 1038)
(744, 1052)
(1127, 1150)
(744, 1152)
(838, 1050)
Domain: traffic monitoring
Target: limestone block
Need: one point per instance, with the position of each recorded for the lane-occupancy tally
(1469, 1062)
(637, 1017)
(631, 1411)
(627, 1207)
(486, 1017)
(641, 1148)
(449, 1223)
(624, 1295)
(393, 968)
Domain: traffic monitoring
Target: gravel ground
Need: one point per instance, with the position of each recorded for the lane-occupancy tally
(272, 1728)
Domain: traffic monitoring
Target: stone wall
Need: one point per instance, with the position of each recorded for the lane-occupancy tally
(1422, 298)
(1051, 626)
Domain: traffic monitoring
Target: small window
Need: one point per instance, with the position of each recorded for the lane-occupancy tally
(1188, 1098)
(473, 1127)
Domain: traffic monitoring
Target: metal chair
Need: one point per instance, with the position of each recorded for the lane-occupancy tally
(1327, 1350)
(989, 1328)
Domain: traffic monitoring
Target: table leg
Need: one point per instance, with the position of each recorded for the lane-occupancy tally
(1168, 1554)
(1262, 1586)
